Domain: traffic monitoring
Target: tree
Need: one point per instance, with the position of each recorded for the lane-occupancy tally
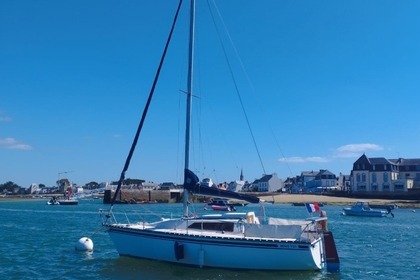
(64, 182)
(9, 187)
(91, 185)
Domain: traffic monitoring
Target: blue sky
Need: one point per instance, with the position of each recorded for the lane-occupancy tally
(322, 82)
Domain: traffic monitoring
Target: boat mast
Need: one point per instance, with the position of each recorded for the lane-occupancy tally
(189, 99)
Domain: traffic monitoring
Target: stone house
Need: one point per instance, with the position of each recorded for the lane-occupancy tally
(384, 175)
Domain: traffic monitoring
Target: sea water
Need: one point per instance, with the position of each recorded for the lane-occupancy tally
(38, 242)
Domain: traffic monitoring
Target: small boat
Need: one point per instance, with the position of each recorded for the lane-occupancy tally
(229, 202)
(362, 208)
(222, 205)
(225, 204)
(223, 208)
(69, 201)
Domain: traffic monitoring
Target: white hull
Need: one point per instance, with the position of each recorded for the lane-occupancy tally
(229, 240)
(365, 213)
(68, 202)
(362, 208)
(240, 249)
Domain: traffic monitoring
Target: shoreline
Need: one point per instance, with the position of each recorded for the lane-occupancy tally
(286, 199)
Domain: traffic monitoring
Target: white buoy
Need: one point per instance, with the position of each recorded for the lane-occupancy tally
(84, 244)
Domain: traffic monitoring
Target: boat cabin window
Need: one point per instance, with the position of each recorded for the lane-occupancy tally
(221, 226)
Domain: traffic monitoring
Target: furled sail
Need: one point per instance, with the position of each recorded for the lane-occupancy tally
(191, 183)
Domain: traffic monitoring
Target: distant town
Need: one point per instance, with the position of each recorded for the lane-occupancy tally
(369, 175)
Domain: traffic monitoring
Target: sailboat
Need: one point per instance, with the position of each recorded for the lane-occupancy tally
(232, 240)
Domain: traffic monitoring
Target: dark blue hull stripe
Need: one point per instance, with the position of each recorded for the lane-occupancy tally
(220, 241)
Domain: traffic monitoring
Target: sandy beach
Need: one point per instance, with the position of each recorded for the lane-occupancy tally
(310, 198)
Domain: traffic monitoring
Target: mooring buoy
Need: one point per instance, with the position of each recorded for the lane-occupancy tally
(84, 244)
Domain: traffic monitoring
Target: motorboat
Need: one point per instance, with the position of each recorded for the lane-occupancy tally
(62, 201)
(362, 208)
(69, 201)
(222, 204)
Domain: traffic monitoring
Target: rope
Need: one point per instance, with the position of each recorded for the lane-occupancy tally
(143, 117)
(236, 85)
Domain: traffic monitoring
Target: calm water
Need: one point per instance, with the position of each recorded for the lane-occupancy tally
(37, 242)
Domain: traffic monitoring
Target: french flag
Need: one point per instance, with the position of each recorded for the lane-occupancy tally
(312, 207)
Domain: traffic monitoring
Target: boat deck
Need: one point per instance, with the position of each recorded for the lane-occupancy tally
(243, 231)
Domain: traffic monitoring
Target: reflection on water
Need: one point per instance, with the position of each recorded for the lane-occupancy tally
(38, 243)
(127, 268)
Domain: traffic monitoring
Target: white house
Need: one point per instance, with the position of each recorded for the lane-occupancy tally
(382, 175)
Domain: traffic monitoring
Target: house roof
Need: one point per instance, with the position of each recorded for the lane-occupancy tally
(372, 161)
(309, 173)
(380, 160)
(326, 172)
(266, 178)
(167, 184)
(404, 161)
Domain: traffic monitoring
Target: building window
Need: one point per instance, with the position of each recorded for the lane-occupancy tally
(375, 188)
(363, 177)
(374, 177)
(399, 188)
(385, 177)
(358, 177)
(386, 188)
